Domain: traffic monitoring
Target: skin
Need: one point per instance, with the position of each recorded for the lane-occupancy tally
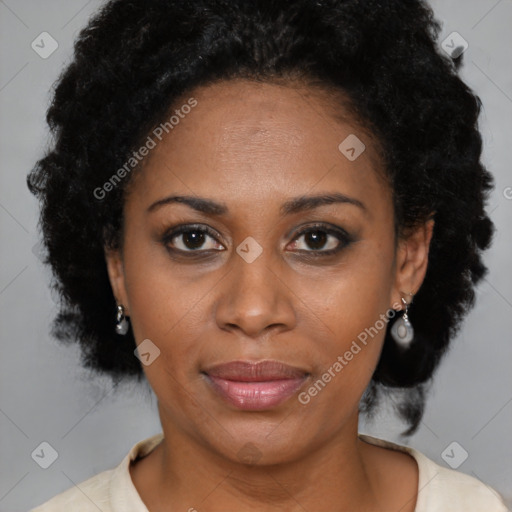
(253, 146)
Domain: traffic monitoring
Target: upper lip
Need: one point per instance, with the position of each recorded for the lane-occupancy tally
(259, 371)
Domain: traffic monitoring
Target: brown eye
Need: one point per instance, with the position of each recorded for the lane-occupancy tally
(320, 239)
(192, 239)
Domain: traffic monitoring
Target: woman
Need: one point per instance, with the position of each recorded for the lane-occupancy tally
(272, 211)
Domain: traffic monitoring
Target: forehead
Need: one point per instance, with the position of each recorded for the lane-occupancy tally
(263, 141)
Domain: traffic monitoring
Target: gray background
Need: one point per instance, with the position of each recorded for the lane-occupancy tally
(44, 394)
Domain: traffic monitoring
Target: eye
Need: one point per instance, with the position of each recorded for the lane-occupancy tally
(317, 240)
(321, 239)
(192, 238)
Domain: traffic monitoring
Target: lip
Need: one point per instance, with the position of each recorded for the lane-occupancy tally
(255, 385)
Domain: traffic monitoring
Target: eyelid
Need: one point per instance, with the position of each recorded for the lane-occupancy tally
(179, 229)
(327, 227)
(341, 234)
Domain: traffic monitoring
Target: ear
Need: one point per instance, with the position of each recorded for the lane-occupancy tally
(115, 268)
(411, 263)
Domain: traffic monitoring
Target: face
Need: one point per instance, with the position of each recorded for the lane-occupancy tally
(284, 251)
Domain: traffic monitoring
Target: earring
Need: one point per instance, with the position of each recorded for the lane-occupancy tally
(121, 321)
(402, 330)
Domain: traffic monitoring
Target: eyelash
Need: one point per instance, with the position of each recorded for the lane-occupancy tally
(344, 238)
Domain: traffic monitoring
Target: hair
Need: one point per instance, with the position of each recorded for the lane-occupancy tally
(136, 58)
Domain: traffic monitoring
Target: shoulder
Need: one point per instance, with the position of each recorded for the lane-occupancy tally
(441, 488)
(109, 491)
(447, 489)
(89, 495)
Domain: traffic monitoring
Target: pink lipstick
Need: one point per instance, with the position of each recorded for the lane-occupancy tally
(255, 385)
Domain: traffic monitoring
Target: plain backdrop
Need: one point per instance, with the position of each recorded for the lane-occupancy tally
(45, 396)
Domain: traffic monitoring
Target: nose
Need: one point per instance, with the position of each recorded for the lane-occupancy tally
(255, 298)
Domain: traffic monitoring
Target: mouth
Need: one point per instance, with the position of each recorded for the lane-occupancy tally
(255, 385)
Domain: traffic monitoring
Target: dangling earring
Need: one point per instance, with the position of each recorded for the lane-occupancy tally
(121, 321)
(402, 330)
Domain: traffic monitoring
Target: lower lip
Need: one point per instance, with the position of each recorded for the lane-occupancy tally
(255, 396)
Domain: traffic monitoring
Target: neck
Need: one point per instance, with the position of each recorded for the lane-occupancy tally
(336, 474)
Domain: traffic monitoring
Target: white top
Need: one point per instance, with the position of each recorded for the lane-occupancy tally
(439, 489)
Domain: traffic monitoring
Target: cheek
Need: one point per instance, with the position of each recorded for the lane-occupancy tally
(166, 307)
(172, 319)
(350, 309)
(161, 294)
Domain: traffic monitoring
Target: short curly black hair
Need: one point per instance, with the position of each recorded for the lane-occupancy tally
(135, 58)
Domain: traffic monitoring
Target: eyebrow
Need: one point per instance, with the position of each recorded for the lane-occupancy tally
(294, 205)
